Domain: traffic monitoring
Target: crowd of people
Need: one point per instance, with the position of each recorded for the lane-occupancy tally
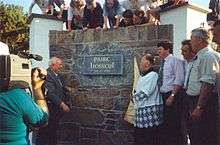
(84, 14)
(185, 100)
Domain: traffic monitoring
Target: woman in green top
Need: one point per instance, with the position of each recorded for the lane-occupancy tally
(17, 111)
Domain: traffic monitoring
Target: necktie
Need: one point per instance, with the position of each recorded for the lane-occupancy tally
(190, 69)
(160, 74)
(59, 81)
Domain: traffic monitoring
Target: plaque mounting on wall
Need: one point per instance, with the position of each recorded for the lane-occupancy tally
(103, 64)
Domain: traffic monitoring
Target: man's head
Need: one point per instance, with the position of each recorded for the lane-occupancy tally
(138, 17)
(127, 15)
(110, 3)
(187, 50)
(200, 39)
(77, 3)
(147, 62)
(164, 49)
(216, 32)
(91, 4)
(56, 64)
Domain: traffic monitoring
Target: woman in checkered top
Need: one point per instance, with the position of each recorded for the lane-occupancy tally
(148, 104)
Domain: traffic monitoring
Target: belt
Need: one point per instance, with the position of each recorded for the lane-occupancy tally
(167, 93)
(193, 96)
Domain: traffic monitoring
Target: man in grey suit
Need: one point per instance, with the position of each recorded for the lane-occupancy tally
(55, 100)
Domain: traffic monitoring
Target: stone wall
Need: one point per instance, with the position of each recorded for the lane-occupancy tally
(98, 102)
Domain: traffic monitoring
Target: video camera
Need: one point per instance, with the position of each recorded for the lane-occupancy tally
(16, 68)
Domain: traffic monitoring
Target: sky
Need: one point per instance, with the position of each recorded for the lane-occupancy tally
(26, 3)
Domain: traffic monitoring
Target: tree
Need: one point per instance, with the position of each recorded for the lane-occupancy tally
(13, 27)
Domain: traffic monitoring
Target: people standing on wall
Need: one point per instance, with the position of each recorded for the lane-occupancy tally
(171, 79)
(75, 14)
(201, 90)
(93, 15)
(55, 96)
(112, 11)
(148, 104)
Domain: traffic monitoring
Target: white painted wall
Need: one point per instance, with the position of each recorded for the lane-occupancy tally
(39, 38)
(184, 19)
(194, 20)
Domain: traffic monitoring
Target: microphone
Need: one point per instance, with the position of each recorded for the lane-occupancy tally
(35, 57)
(30, 56)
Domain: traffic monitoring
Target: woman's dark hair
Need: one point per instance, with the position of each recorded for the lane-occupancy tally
(166, 45)
(149, 57)
(139, 13)
(116, 4)
(127, 14)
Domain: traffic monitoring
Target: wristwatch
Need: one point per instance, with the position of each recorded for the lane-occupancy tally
(172, 94)
(199, 107)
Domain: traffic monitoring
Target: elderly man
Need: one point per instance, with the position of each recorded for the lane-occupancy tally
(200, 89)
(55, 101)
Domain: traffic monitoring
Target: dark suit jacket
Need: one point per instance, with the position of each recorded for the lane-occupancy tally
(55, 91)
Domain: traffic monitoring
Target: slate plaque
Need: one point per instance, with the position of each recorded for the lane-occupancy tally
(103, 64)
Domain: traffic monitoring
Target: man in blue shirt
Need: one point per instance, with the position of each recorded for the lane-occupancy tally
(170, 81)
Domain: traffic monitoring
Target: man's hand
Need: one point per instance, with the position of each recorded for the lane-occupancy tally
(85, 28)
(64, 107)
(196, 114)
(169, 100)
(98, 29)
(116, 27)
(37, 83)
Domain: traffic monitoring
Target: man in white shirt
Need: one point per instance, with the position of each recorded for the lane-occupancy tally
(170, 81)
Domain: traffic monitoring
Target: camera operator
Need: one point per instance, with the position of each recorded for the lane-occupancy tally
(18, 110)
